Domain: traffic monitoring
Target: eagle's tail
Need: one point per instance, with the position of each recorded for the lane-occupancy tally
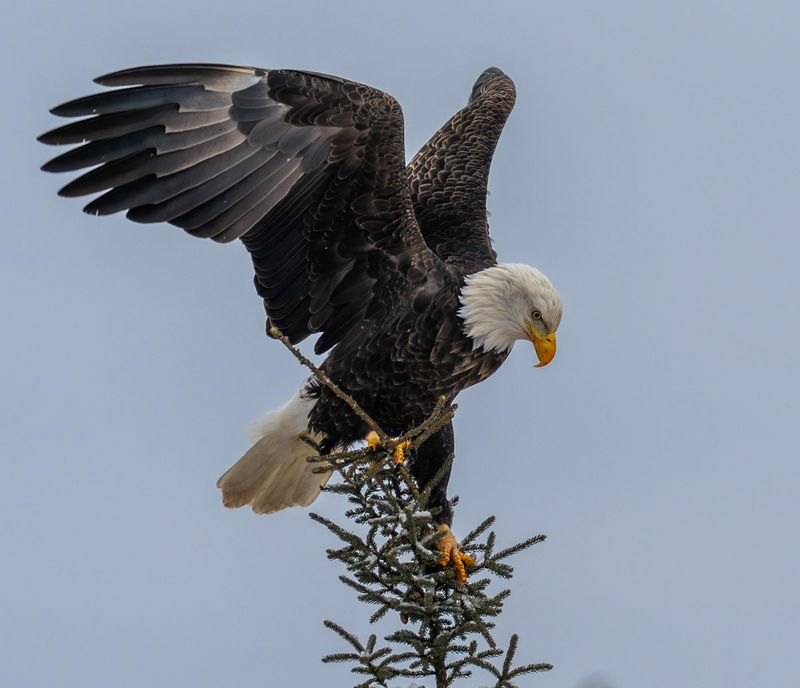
(274, 473)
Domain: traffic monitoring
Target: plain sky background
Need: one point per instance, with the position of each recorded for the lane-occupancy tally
(651, 168)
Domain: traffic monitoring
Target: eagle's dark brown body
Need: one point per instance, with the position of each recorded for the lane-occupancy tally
(396, 368)
(308, 171)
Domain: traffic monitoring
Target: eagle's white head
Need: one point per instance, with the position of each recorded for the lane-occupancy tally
(511, 301)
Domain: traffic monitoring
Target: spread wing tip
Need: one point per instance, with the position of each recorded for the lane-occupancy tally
(151, 75)
(489, 78)
(47, 138)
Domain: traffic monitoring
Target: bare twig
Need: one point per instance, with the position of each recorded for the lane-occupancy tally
(330, 384)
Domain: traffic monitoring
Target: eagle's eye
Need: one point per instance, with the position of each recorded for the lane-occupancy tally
(536, 315)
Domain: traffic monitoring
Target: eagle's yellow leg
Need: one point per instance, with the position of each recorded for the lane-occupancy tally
(373, 442)
(451, 554)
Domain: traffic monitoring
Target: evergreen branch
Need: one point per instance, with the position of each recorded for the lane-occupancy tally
(503, 554)
(349, 637)
(343, 534)
(340, 657)
(477, 532)
(508, 672)
(510, 652)
(530, 669)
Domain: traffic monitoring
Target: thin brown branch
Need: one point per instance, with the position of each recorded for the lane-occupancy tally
(330, 384)
(441, 415)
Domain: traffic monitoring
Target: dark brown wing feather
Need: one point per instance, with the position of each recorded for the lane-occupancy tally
(306, 169)
(449, 175)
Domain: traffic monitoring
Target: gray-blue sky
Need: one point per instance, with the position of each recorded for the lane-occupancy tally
(650, 168)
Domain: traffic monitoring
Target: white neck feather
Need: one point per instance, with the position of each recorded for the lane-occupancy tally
(496, 301)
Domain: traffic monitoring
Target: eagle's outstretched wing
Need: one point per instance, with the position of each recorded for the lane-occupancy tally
(306, 169)
(449, 175)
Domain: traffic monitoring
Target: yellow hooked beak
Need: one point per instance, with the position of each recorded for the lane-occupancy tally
(545, 346)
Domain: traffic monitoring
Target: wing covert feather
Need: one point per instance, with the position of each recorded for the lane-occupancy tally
(449, 175)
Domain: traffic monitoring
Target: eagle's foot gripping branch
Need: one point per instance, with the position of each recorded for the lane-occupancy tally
(451, 554)
(374, 441)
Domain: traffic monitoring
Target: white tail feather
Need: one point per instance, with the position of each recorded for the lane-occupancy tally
(274, 473)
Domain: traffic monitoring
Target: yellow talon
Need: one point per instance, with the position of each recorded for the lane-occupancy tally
(399, 451)
(373, 440)
(448, 546)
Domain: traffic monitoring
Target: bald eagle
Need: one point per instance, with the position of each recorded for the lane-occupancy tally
(390, 264)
